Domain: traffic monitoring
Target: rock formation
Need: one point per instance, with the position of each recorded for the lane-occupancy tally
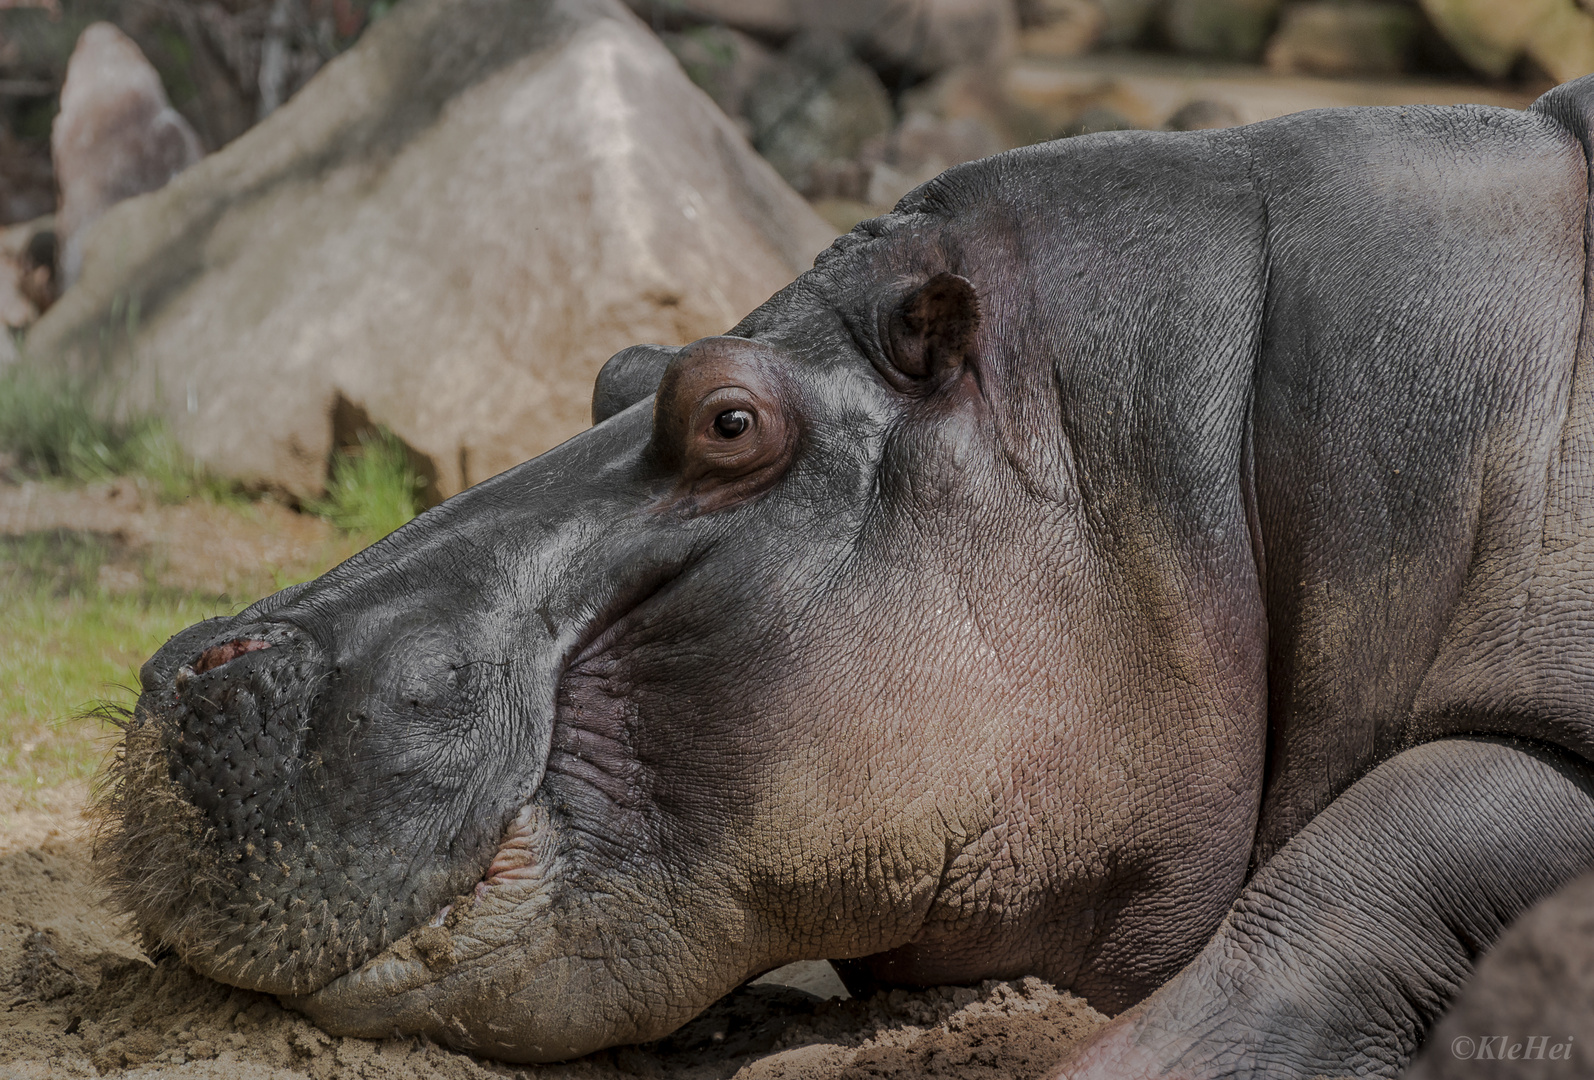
(446, 232)
(116, 136)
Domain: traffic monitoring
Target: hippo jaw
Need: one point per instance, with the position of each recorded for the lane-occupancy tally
(524, 966)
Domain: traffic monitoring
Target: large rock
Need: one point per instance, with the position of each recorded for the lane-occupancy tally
(1344, 37)
(116, 135)
(447, 232)
(920, 37)
(1491, 35)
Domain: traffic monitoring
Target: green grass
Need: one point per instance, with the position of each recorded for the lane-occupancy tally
(66, 645)
(374, 488)
(49, 427)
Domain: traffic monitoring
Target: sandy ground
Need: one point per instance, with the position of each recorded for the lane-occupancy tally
(78, 997)
(52, 814)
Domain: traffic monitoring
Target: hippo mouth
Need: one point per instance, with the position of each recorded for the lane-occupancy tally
(520, 859)
(515, 887)
(517, 858)
(524, 870)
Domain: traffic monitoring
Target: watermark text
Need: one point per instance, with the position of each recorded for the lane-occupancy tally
(1512, 1048)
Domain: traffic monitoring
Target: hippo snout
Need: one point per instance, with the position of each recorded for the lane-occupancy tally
(207, 850)
(233, 730)
(238, 832)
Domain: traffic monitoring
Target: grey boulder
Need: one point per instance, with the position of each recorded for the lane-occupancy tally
(916, 36)
(815, 112)
(446, 232)
(116, 135)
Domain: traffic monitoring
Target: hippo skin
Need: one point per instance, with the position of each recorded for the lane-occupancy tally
(1160, 563)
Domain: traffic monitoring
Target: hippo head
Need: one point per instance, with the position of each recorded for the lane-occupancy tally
(838, 645)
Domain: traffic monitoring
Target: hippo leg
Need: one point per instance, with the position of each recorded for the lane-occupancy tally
(1348, 944)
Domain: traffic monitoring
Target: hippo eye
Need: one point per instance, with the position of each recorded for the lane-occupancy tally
(723, 423)
(732, 423)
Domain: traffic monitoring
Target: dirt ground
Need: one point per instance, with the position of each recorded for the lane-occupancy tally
(240, 551)
(79, 998)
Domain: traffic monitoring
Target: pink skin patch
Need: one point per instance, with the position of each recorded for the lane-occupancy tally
(226, 653)
(516, 857)
(515, 860)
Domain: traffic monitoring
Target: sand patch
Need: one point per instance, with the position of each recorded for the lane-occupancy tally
(78, 998)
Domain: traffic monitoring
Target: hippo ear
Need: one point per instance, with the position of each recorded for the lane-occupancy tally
(629, 376)
(932, 331)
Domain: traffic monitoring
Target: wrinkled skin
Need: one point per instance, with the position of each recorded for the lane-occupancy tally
(1348, 945)
(991, 601)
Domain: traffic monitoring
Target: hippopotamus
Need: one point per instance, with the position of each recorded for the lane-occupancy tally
(1161, 563)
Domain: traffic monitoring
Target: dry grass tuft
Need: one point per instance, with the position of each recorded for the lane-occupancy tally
(152, 850)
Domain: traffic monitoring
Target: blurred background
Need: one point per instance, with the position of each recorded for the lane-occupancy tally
(277, 274)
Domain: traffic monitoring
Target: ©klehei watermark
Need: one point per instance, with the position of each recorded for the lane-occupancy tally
(1512, 1047)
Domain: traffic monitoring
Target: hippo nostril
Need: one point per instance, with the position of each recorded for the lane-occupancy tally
(225, 653)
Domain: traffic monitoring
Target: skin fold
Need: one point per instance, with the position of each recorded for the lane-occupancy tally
(999, 598)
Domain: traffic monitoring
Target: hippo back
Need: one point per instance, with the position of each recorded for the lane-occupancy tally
(1422, 437)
